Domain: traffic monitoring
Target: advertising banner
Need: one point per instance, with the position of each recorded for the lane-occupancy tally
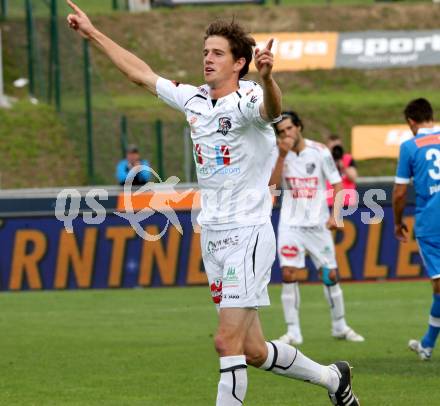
(301, 51)
(39, 253)
(378, 141)
(356, 50)
(386, 49)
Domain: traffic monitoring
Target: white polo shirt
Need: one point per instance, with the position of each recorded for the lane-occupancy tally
(304, 176)
(232, 148)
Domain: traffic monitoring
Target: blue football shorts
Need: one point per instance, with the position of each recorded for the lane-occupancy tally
(430, 253)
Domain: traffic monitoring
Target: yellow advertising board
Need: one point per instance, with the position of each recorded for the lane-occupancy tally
(300, 51)
(378, 141)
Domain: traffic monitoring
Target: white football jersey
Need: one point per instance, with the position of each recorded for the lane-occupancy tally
(232, 148)
(304, 176)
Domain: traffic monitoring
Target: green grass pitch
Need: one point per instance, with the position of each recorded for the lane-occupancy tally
(154, 347)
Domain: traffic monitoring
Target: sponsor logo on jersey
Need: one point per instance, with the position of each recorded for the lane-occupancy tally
(197, 113)
(198, 154)
(218, 245)
(434, 189)
(289, 251)
(203, 90)
(303, 187)
(222, 155)
(218, 163)
(216, 291)
(251, 103)
(326, 250)
(231, 278)
(224, 125)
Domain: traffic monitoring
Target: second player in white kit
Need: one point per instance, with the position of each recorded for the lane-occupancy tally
(301, 168)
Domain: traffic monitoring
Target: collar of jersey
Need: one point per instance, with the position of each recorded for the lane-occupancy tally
(428, 131)
(236, 95)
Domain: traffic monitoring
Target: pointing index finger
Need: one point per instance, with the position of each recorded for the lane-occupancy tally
(269, 44)
(73, 6)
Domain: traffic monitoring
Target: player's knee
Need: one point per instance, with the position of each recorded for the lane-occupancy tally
(220, 344)
(226, 345)
(256, 357)
(436, 286)
(289, 275)
(329, 277)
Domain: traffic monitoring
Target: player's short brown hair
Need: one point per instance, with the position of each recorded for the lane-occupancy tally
(419, 110)
(294, 118)
(240, 41)
(332, 137)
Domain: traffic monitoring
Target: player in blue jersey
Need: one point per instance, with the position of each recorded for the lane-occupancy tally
(420, 159)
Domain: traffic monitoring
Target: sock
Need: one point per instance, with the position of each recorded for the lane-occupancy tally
(335, 299)
(431, 335)
(291, 300)
(283, 359)
(233, 381)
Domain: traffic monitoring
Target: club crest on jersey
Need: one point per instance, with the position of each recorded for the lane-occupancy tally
(310, 168)
(224, 125)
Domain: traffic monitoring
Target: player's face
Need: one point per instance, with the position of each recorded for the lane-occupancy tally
(133, 157)
(286, 128)
(218, 62)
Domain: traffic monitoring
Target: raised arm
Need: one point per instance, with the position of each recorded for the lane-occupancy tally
(271, 108)
(129, 64)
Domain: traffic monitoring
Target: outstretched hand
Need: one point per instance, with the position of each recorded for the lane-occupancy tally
(79, 21)
(264, 60)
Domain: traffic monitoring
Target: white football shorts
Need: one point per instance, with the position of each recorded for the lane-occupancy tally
(238, 264)
(295, 242)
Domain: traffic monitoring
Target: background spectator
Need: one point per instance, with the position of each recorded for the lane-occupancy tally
(346, 166)
(132, 161)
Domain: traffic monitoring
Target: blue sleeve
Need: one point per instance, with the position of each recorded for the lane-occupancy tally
(404, 166)
(145, 173)
(121, 172)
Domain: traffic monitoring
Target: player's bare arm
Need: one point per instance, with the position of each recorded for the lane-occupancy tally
(284, 146)
(129, 64)
(351, 173)
(335, 220)
(270, 109)
(399, 203)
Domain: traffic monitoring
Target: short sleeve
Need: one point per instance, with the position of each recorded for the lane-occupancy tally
(174, 94)
(404, 168)
(249, 106)
(329, 168)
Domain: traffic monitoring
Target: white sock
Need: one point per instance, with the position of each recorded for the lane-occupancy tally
(290, 298)
(233, 381)
(335, 299)
(283, 359)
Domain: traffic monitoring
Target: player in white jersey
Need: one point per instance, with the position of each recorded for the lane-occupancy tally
(233, 141)
(301, 169)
